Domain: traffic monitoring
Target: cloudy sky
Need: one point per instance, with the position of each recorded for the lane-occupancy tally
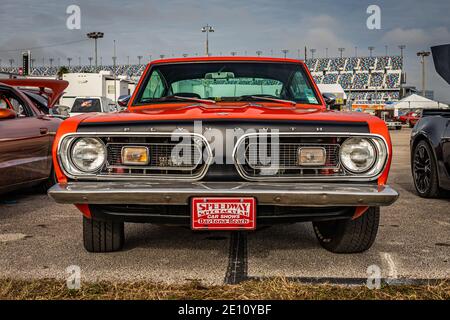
(173, 27)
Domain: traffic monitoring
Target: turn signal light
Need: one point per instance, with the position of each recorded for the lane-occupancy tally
(311, 156)
(135, 155)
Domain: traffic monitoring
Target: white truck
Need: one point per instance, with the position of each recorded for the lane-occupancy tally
(92, 92)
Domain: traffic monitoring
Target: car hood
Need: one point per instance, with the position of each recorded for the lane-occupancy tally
(214, 112)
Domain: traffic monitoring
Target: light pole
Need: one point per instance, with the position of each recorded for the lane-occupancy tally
(341, 50)
(139, 59)
(11, 61)
(68, 60)
(356, 52)
(115, 71)
(90, 61)
(371, 48)
(312, 53)
(95, 35)
(51, 62)
(386, 50)
(207, 29)
(402, 47)
(285, 52)
(423, 55)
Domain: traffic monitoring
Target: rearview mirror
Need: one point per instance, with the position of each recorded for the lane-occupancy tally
(219, 75)
(7, 114)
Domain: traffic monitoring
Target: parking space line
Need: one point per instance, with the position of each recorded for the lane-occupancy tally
(237, 269)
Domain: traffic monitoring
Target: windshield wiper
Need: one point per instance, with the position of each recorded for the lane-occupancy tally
(268, 98)
(179, 98)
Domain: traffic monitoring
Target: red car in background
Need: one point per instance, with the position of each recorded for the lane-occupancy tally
(27, 132)
(410, 118)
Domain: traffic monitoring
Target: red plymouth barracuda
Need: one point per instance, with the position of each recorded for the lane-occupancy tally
(226, 143)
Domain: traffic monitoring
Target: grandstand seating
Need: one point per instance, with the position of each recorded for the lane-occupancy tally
(337, 64)
(311, 64)
(330, 78)
(352, 63)
(376, 79)
(392, 80)
(322, 64)
(367, 63)
(360, 80)
(318, 78)
(345, 80)
(367, 79)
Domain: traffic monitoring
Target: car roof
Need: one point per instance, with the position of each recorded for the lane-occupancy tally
(226, 58)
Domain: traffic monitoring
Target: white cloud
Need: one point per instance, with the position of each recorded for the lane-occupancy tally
(417, 37)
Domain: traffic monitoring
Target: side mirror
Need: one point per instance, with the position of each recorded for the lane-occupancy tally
(123, 100)
(7, 114)
(62, 110)
(330, 99)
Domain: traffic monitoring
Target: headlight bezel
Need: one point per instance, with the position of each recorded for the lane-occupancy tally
(64, 153)
(381, 157)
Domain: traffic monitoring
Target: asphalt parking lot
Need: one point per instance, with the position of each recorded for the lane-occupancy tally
(40, 239)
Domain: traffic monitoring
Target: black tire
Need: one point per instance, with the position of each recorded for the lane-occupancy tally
(424, 171)
(349, 236)
(50, 182)
(102, 236)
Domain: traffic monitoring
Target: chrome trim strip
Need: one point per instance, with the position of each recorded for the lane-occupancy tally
(281, 194)
(105, 177)
(353, 178)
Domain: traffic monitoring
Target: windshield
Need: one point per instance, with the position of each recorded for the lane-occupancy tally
(82, 105)
(226, 81)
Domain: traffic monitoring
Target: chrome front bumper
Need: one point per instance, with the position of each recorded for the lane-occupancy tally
(179, 193)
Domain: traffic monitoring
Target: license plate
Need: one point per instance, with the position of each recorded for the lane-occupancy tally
(223, 214)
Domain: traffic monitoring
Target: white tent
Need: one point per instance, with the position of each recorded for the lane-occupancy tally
(416, 101)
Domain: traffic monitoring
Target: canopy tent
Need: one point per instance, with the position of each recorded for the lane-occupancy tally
(416, 101)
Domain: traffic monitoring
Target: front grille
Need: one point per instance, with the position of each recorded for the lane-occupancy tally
(162, 156)
(260, 156)
(266, 156)
(187, 159)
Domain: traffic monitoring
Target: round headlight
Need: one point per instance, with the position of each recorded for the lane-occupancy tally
(88, 154)
(358, 154)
